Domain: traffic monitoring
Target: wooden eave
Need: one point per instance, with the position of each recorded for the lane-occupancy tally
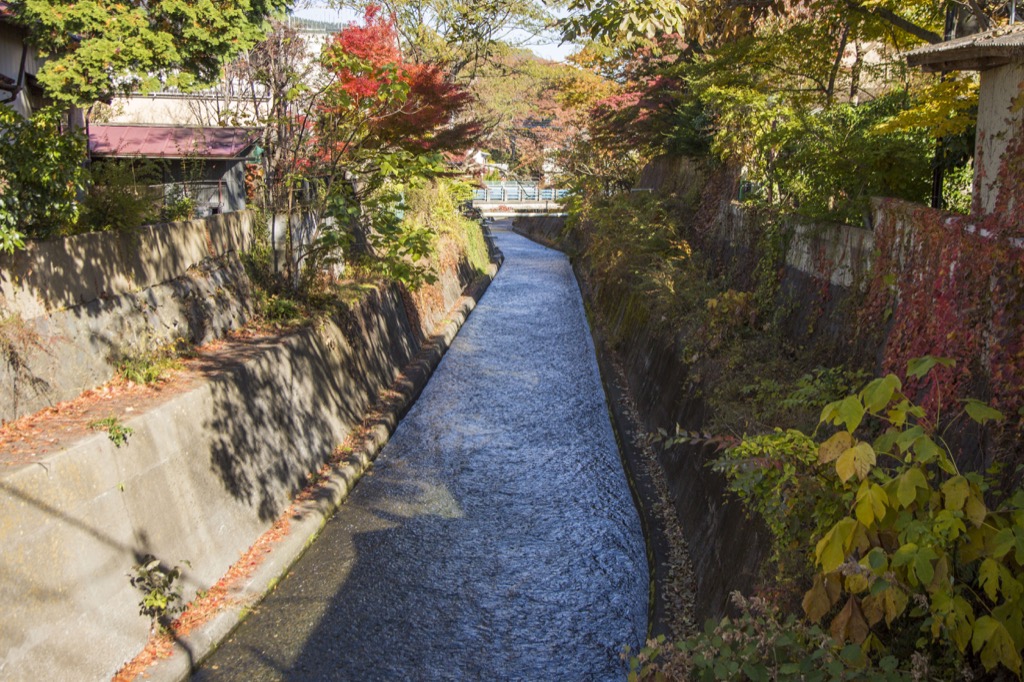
(961, 63)
(978, 52)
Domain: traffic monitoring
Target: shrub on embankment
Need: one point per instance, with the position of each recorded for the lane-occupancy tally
(774, 317)
(734, 322)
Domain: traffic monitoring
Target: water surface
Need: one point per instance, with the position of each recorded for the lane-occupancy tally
(494, 539)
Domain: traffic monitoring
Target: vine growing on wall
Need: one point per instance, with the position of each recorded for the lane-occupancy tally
(953, 286)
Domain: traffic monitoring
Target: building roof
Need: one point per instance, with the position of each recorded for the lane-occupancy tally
(169, 142)
(972, 53)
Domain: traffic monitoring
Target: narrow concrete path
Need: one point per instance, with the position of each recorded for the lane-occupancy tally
(495, 538)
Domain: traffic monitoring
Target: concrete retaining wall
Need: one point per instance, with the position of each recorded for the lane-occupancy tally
(202, 476)
(839, 253)
(726, 548)
(70, 308)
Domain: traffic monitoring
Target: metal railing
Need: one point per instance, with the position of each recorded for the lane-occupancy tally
(506, 192)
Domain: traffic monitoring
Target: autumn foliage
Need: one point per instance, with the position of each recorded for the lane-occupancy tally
(402, 105)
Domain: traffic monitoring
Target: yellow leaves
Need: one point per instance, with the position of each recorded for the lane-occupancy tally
(857, 460)
(974, 507)
(831, 550)
(988, 578)
(857, 583)
(823, 595)
(835, 446)
(942, 107)
(995, 645)
(997, 580)
(955, 491)
(918, 533)
(871, 503)
(907, 485)
(851, 458)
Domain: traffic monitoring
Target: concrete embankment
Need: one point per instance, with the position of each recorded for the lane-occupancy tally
(71, 308)
(496, 538)
(204, 473)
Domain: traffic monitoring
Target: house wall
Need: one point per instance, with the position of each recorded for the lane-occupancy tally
(194, 109)
(219, 185)
(1000, 125)
(148, 109)
(10, 62)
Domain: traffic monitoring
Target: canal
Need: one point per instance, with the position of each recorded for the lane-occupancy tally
(495, 538)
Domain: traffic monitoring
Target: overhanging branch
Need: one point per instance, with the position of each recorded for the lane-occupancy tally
(896, 20)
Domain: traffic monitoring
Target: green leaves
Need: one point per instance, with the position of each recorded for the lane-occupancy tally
(848, 411)
(41, 174)
(918, 367)
(908, 484)
(913, 544)
(982, 413)
(877, 394)
(95, 50)
(630, 21)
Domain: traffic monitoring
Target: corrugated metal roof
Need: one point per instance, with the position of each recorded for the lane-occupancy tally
(171, 142)
(972, 53)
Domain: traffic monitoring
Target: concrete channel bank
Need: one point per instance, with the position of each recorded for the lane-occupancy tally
(496, 539)
(647, 363)
(204, 474)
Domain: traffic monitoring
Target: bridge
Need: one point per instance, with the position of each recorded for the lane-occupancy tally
(509, 199)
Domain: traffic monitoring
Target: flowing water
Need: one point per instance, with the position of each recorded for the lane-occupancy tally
(494, 539)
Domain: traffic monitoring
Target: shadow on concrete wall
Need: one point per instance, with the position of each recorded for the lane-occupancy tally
(282, 407)
(71, 309)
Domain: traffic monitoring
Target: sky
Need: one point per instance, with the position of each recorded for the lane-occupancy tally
(318, 12)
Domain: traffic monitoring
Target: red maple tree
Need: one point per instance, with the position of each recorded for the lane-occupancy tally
(402, 105)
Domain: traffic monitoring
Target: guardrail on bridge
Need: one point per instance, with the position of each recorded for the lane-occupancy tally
(505, 192)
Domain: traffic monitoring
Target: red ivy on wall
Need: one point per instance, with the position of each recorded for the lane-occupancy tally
(953, 286)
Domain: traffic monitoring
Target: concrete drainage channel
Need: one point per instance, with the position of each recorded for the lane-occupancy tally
(310, 516)
(205, 473)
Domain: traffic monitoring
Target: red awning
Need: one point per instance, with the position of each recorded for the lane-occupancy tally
(169, 142)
